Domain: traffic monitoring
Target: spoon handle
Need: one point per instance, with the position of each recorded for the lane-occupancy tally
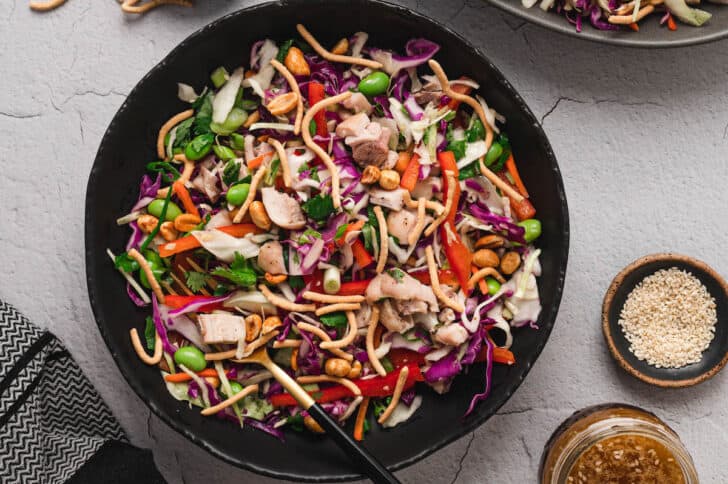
(356, 452)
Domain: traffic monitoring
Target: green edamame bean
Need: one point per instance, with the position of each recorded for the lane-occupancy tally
(237, 141)
(199, 146)
(234, 120)
(532, 229)
(237, 194)
(155, 208)
(493, 286)
(235, 387)
(495, 151)
(223, 152)
(374, 84)
(191, 357)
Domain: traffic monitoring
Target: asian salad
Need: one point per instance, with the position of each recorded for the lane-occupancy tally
(619, 14)
(353, 210)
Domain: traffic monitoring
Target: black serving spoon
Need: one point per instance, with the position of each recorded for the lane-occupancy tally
(366, 462)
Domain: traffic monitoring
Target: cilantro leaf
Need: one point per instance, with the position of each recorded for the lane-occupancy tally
(334, 320)
(396, 274)
(240, 273)
(126, 263)
(183, 133)
(296, 282)
(319, 208)
(340, 231)
(231, 172)
(308, 236)
(196, 280)
(270, 177)
(476, 131)
(203, 118)
(283, 50)
(150, 333)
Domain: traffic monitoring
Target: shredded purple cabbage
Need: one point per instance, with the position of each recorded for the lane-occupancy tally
(134, 296)
(161, 328)
(444, 368)
(501, 223)
(488, 377)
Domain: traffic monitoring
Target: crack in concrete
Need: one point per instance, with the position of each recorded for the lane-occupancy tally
(525, 447)
(462, 458)
(458, 12)
(725, 132)
(515, 27)
(556, 104)
(179, 466)
(20, 115)
(150, 434)
(514, 412)
(91, 92)
(623, 103)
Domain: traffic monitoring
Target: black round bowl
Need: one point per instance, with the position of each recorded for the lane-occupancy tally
(714, 357)
(129, 143)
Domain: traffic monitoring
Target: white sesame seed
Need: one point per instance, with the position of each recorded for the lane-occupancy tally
(669, 319)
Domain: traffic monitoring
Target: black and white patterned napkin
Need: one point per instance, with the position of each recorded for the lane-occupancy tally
(54, 426)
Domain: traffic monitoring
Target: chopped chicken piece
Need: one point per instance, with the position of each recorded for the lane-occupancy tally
(373, 152)
(451, 335)
(404, 288)
(401, 223)
(282, 209)
(270, 258)
(393, 321)
(411, 307)
(352, 125)
(358, 103)
(391, 199)
(221, 328)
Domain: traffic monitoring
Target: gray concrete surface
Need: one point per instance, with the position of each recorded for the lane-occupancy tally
(641, 137)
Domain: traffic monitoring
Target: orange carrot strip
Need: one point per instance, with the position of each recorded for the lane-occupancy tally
(360, 417)
(634, 27)
(189, 242)
(184, 195)
(182, 377)
(256, 162)
(402, 161)
(411, 173)
(481, 283)
(349, 228)
(511, 167)
(671, 23)
(504, 356)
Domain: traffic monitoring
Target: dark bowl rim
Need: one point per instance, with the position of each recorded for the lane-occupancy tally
(514, 7)
(549, 317)
(609, 297)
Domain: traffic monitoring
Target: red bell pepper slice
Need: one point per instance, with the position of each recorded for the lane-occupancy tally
(445, 276)
(177, 302)
(459, 88)
(380, 386)
(354, 288)
(317, 93)
(361, 255)
(457, 253)
(400, 356)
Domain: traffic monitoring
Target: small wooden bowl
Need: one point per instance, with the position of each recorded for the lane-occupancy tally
(714, 357)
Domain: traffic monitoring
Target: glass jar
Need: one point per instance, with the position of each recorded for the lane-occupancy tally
(617, 443)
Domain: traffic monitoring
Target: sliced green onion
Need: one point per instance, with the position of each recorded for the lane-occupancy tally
(219, 76)
(332, 280)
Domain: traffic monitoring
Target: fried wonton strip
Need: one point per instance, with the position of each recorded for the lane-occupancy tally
(347, 59)
(435, 283)
(401, 380)
(141, 353)
(294, 87)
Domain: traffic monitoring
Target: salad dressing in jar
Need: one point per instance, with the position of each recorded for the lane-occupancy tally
(615, 443)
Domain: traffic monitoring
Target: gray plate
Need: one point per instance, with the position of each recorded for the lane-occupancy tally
(651, 34)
